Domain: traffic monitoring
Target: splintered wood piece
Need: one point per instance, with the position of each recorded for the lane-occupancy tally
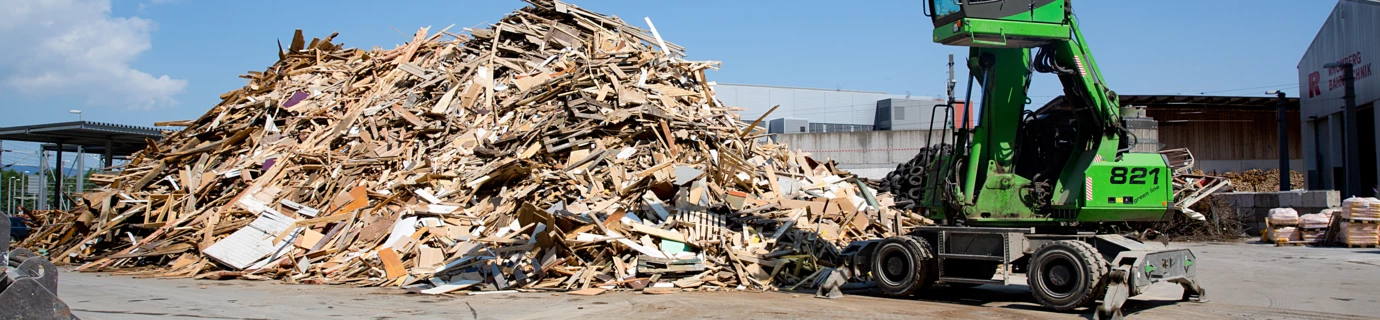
(359, 199)
(392, 265)
(657, 232)
(308, 239)
(430, 257)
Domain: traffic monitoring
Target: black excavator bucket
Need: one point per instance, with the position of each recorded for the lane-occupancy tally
(28, 288)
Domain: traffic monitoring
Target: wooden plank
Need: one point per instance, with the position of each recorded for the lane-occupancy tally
(392, 265)
(656, 232)
(148, 177)
(588, 292)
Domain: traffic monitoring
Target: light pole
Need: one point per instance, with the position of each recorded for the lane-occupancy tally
(11, 193)
(76, 112)
(1284, 183)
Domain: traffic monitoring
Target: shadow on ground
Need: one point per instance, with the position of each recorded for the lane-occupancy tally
(1015, 297)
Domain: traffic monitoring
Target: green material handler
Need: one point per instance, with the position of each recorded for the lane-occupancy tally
(1024, 192)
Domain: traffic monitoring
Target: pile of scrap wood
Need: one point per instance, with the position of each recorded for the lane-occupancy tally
(1221, 223)
(559, 149)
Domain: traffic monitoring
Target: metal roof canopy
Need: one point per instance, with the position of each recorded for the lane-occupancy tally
(1185, 101)
(113, 140)
(123, 140)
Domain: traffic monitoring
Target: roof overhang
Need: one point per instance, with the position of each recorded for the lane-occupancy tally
(1186, 101)
(122, 139)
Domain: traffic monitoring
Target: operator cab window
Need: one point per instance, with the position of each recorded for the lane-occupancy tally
(945, 7)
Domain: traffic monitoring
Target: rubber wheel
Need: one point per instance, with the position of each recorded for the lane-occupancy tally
(969, 269)
(902, 265)
(915, 194)
(1066, 274)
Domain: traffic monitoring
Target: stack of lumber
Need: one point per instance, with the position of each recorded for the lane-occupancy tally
(559, 149)
(1360, 218)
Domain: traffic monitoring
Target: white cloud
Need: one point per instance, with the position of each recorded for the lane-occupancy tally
(75, 48)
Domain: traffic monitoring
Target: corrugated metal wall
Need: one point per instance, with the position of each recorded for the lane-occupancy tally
(1350, 34)
(815, 105)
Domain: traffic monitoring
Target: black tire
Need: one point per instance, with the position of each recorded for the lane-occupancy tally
(902, 265)
(915, 194)
(916, 181)
(898, 183)
(1066, 274)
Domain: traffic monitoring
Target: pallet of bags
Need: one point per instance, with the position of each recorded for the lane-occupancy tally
(1313, 227)
(1284, 216)
(1361, 210)
(1359, 235)
(1275, 221)
(1286, 236)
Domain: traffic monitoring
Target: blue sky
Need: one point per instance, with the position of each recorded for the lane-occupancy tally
(140, 61)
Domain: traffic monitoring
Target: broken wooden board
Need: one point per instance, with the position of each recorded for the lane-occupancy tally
(252, 243)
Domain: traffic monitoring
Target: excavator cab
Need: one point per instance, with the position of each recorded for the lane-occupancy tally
(998, 23)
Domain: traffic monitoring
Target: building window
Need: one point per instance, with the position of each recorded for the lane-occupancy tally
(900, 113)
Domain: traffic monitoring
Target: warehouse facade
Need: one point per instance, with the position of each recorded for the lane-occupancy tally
(909, 114)
(815, 110)
(1348, 36)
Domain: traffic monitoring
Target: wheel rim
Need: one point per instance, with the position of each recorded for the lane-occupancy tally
(1061, 276)
(897, 267)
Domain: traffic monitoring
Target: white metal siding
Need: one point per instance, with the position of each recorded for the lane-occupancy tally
(248, 245)
(913, 114)
(815, 105)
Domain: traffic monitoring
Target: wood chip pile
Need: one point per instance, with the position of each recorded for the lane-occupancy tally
(559, 149)
(1256, 180)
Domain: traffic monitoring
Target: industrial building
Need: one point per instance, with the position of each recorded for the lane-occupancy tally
(1224, 133)
(824, 110)
(1348, 36)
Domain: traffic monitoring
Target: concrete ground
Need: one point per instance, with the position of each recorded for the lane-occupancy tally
(1244, 281)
